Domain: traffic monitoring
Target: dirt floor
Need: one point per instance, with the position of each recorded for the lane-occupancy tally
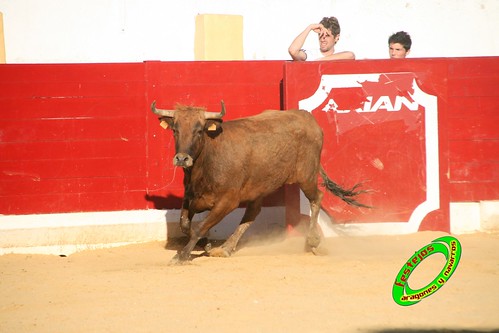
(273, 287)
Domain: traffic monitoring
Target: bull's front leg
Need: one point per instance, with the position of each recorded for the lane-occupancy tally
(186, 214)
(199, 231)
(184, 256)
(185, 218)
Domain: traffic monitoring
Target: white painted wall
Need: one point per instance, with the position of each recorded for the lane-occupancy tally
(48, 31)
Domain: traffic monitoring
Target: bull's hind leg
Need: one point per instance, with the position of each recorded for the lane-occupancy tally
(227, 248)
(315, 197)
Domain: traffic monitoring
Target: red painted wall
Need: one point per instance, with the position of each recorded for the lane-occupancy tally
(473, 128)
(246, 87)
(371, 137)
(72, 138)
(81, 137)
(467, 139)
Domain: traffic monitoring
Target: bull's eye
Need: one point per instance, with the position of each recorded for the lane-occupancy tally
(197, 133)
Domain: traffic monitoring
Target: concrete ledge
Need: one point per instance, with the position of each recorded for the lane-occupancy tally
(489, 215)
(63, 234)
(469, 217)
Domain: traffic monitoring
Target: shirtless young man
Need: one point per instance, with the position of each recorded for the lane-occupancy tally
(328, 31)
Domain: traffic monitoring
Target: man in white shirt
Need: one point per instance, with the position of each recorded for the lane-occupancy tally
(328, 31)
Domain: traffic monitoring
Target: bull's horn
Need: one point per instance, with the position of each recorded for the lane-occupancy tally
(216, 115)
(160, 112)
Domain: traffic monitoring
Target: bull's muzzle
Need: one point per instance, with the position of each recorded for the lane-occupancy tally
(182, 160)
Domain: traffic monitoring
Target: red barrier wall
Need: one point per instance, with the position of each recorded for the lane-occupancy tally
(381, 127)
(81, 137)
(473, 128)
(246, 87)
(72, 138)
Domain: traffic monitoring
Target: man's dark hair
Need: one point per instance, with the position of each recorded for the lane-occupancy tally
(402, 38)
(331, 23)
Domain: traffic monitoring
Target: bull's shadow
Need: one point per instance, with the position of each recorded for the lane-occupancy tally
(167, 202)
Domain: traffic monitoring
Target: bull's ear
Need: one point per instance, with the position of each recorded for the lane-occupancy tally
(213, 127)
(166, 122)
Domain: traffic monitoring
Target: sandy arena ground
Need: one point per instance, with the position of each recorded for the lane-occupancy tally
(273, 287)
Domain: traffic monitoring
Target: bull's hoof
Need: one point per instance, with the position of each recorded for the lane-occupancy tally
(203, 242)
(313, 241)
(177, 261)
(319, 251)
(219, 252)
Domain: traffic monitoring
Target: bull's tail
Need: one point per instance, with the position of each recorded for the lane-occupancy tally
(345, 195)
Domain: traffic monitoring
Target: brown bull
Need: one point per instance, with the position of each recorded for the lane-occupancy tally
(242, 161)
